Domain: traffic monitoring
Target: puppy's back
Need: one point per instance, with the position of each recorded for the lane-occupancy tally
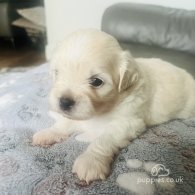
(172, 88)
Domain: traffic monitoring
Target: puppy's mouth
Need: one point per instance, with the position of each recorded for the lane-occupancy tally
(70, 115)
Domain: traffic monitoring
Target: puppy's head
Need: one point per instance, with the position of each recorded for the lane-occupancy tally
(90, 72)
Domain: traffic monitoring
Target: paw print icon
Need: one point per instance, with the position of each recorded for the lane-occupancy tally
(159, 170)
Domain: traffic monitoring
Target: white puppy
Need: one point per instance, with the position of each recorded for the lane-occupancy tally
(99, 87)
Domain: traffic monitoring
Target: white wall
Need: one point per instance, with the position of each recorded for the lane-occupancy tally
(65, 16)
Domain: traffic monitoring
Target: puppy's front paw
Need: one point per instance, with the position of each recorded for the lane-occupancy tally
(89, 167)
(46, 137)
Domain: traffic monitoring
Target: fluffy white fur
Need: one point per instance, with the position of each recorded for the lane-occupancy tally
(136, 93)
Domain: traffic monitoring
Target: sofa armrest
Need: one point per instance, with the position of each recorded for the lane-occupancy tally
(151, 25)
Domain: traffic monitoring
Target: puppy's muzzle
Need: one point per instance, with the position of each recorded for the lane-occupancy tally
(66, 104)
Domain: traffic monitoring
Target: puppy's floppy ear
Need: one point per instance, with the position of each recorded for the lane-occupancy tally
(128, 71)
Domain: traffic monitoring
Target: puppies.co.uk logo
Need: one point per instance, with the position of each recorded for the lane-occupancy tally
(160, 174)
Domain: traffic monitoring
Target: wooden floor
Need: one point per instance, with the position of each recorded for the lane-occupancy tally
(21, 55)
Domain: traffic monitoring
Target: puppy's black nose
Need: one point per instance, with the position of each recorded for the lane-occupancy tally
(66, 103)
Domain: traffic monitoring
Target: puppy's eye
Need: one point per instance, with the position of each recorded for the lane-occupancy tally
(96, 82)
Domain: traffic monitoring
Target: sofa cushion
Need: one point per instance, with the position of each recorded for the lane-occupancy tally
(152, 25)
(181, 59)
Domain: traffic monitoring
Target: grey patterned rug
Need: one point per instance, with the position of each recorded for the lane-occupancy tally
(162, 161)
